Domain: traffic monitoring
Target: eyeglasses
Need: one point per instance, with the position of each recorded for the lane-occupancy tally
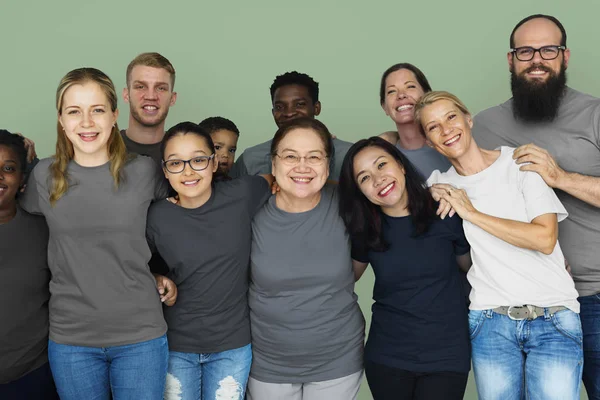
(197, 164)
(546, 52)
(292, 159)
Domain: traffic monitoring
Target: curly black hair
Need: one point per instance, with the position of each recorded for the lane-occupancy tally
(213, 124)
(296, 78)
(17, 144)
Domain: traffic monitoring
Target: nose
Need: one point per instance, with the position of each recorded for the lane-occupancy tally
(150, 93)
(86, 120)
(378, 180)
(187, 168)
(289, 111)
(401, 94)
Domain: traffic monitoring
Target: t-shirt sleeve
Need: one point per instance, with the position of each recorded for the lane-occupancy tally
(359, 251)
(30, 199)
(539, 198)
(434, 178)
(239, 168)
(258, 192)
(461, 245)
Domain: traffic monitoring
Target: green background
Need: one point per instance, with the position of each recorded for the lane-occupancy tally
(227, 53)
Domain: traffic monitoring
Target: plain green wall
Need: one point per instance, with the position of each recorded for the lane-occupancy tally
(227, 53)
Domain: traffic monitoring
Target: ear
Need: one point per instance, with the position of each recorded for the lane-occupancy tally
(164, 169)
(384, 110)
(272, 165)
(317, 108)
(566, 57)
(510, 59)
(116, 116)
(173, 99)
(126, 95)
(469, 120)
(428, 143)
(215, 164)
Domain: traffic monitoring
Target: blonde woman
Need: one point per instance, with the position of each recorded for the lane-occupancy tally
(107, 332)
(526, 338)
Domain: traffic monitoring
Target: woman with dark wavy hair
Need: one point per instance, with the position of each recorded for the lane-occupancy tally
(418, 344)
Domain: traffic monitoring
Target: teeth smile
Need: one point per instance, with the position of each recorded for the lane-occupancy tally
(189, 183)
(302, 179)
(537, 72)
(386, 189)
(405, 107)
(150, 108)
(450, 141)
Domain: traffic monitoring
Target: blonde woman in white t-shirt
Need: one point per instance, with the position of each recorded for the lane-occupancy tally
(524, 316)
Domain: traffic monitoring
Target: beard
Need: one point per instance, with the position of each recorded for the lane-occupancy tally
(535, 101)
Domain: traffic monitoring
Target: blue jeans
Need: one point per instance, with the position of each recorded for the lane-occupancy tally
(133, 371)
(540, 359)
(219, 376)
(590, 321)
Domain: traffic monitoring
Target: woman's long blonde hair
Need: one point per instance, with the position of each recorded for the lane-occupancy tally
(117, 151)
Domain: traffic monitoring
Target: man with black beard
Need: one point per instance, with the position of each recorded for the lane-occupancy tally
(558, 131)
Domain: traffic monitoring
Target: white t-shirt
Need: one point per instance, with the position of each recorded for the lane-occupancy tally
(503, 274)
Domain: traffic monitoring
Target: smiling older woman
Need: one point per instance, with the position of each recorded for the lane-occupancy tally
(523, 320)
(307, 328)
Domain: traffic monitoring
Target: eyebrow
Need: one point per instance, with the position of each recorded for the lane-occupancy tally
(295, 151)
(175, 154)
(93, 105)
(146, 83)
(374, 162)
(409, 81)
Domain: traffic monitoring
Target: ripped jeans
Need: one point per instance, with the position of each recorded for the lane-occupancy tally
(218, 376)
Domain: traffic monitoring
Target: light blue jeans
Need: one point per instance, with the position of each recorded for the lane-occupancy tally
(210, 376)
(540, 359)
(129, 372)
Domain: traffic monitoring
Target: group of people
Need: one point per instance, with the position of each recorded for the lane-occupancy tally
(150, 264)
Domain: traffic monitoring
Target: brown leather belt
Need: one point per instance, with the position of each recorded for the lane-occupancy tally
(529, 312)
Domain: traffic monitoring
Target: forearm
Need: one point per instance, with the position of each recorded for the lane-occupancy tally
(585, 188)
(527, 235)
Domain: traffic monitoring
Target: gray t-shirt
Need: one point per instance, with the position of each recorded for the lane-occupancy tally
(24, 294)
(426, 160)
(208, 252)
(150, 150)
(573, 139)
(103, 293)
(257, 160)
(305, 319)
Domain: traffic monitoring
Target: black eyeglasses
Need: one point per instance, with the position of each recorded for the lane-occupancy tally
(527, 53)
(197, 164)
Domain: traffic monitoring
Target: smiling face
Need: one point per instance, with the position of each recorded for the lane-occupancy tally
(150, 94)
(87, 120)
(306, 178)
(11, 178)
(291, 102)
(447, 128)
(402, 92)
(380, 177)
(225, 147)
(193, 187)
(537, 33)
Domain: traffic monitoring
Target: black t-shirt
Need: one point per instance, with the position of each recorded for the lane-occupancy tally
(207, 250)
(419, 320)
(24, 294)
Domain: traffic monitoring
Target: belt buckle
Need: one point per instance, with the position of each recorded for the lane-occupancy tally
(516, 310)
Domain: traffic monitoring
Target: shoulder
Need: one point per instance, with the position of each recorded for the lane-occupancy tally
(341, 145)
(438, 176)
(41, 172)
(158, 208)
(258, 150)
(577, 99)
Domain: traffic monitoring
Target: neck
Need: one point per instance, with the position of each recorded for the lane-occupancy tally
(399, 210)
(8, 213)
(145, 134)
(92, 160)
(474, 160)
(195, 202)
(292, 204)
(410, 136)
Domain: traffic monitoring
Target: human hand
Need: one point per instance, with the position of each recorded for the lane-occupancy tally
(540, 161)
(166, 289)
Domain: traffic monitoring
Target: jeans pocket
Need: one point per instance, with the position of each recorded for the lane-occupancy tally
(476, 318)
(568, 323)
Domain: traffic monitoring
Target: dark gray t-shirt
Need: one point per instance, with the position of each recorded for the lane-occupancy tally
(150, 150)
(208, 251)
(24, 294)
(306, 322)
(103, 293)
(426, 160)
(573, 139)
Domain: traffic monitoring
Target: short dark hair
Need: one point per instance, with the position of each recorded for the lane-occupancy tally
(396, 67)
(17, 144)
(184, 128)
(563, 40)
(296, 78)
(307, 123)
(213, 124)
(363, 218)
